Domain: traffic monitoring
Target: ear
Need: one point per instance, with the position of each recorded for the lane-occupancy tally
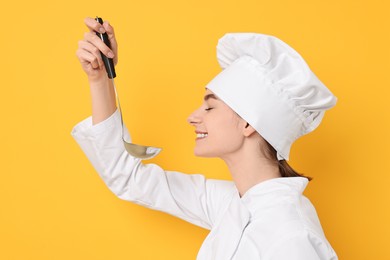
(248, 130)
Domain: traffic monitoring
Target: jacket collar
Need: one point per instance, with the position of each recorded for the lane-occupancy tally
(267, 193)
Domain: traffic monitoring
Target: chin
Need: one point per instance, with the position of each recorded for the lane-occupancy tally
(204, 154)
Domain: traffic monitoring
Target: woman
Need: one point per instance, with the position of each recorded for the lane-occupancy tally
(264, 99)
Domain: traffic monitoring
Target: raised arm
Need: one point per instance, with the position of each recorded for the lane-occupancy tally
(190, 197)
(88, 53)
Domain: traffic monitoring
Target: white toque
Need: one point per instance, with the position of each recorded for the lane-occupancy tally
(270, 86)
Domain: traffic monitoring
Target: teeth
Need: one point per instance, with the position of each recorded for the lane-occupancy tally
(201, 135)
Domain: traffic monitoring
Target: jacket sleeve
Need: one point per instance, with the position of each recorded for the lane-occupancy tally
(190, 197)
(301, 246)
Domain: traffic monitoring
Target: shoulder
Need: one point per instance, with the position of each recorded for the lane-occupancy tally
(289, 226)
(300, 245)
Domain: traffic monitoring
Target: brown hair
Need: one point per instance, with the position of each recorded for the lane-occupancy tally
(284, 168)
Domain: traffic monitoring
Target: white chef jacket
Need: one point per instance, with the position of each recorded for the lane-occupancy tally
(272, 221)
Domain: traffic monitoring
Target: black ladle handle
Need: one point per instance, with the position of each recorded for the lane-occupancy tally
(108, 62)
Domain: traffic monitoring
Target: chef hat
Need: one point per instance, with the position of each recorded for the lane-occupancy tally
(270, 86)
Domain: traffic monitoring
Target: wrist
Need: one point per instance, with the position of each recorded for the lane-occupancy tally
(98, 82)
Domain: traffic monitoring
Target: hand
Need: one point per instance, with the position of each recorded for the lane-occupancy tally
(90, 47)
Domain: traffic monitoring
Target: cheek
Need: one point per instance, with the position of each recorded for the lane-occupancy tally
(225, 135)
(227, 132)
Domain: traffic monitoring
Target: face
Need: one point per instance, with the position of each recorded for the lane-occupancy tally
(219, 130)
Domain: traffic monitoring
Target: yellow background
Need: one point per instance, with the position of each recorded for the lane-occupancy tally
(54, 206)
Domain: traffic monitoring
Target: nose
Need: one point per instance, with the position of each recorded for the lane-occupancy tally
(194, 119)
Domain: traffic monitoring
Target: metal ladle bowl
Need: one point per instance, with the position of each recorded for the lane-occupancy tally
(135, 150)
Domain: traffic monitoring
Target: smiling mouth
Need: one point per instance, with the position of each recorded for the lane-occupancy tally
(201, 135)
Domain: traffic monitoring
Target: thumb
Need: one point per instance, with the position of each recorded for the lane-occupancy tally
(111, 36)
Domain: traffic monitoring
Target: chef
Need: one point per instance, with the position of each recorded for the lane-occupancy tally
(264, 98)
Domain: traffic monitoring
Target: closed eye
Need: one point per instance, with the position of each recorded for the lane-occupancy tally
(208, 109)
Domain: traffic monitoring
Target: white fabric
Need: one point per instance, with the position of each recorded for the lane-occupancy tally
(270, 86)
(272, 221)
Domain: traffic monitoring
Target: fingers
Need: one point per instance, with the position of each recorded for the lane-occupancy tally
(109, 30)
(90, 47)
(94, 25)
(111, 36)
(91, 36)
(93, 39)
(88, 53)
(87, 59)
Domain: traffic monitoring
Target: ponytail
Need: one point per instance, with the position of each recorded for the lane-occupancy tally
(284, 168)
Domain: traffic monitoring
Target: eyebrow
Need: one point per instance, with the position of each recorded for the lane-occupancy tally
(208, 96)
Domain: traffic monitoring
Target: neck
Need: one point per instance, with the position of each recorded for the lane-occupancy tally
(249, 168)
